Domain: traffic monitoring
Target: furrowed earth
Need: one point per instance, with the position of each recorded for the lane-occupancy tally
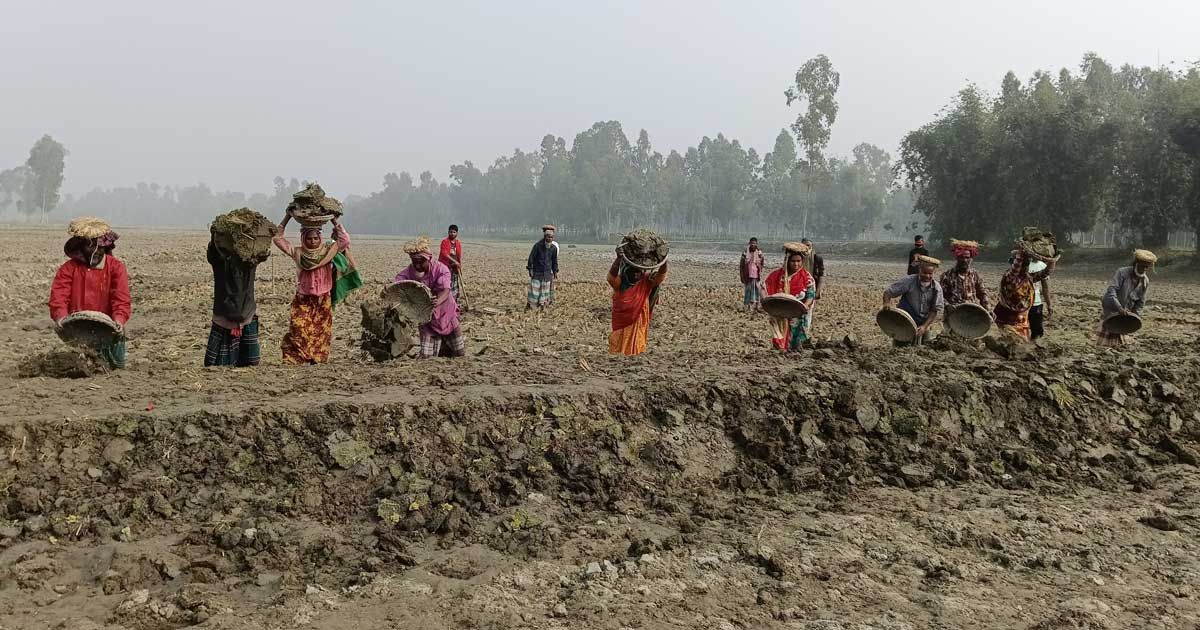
(540, 483)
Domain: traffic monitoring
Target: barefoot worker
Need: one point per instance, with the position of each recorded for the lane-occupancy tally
(450, 254)
(1017, 294)
(635, 293)
(1125, 295)
(442, 330)
(92, 279)
(318, 288)
(793, 279)
(920, 296)
(750, 269)
(233, 338)
(543, 270)
(962, 284)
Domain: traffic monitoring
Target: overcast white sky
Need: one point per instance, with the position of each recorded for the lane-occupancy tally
(234, 92)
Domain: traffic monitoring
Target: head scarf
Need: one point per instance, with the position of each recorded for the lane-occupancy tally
(418, 247)
(308, 230)
(320, 255)
(970, 249)
(91, 239)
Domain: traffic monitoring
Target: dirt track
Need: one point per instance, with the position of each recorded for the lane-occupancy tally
(542, 484)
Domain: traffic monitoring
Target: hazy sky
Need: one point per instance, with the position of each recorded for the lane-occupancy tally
(232, 93)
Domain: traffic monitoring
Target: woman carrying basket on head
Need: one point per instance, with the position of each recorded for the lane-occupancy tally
(792, 279)
(324, 276)
(635, 293)
(92, 279)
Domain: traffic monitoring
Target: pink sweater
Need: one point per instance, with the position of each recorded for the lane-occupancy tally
(317, 281)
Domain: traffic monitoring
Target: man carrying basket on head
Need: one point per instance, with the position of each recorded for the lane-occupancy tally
(92, 279)
(794, 280)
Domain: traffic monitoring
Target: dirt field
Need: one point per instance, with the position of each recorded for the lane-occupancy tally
(539, 483)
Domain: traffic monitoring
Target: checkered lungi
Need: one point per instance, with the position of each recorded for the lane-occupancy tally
(442, 345)
(541, 292)
(227, 348)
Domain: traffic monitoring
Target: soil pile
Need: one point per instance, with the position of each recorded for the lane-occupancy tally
(68, 363)
(312, 206)
(389, 331)
(1039, 243)
(644, 248)
(245, 233)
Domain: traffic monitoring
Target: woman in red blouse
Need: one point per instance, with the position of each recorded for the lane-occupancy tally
(92, 279)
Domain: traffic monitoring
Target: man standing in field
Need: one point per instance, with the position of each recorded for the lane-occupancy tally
(542, 266)
(920, 297)
(814, 264)
(1041, 309)
(750, 271)
(1126, 295)
(918, 249)
(962, 284)
(450, 254)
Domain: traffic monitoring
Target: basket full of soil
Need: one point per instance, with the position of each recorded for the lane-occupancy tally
(311, 207)
(88, 329)
(1039, 244)
(244, 233)
(643, 249)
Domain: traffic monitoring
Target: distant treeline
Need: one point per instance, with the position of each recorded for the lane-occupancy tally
(1067, 152)
(598, 185)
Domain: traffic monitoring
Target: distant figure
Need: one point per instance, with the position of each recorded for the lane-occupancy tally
(442, 331)
(918, 249)
(793, 279)
(750, 270)
(635, 293)
(450, 254)
(310, 321)
(92, 279)
(1125, 295)
(814, 264)
(233, 338)
(1041, 309)
(543, 270)
(1016, 294)
(962, 284)
(920, 296)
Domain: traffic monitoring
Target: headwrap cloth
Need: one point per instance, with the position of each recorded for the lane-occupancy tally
(959, 248)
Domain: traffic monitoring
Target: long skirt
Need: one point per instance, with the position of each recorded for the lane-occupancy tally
(789, 334)
(541, 292)
(233, 348)
(310, 330)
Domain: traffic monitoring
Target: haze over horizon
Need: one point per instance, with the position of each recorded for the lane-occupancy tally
(233, 94)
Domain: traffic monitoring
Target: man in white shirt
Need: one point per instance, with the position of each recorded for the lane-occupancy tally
(1041, 302)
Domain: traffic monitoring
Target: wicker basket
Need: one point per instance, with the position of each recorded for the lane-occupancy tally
(897, 324)
(1122, 324)
(412, 298)
(968, 320)
(90, 329)
(784, 306)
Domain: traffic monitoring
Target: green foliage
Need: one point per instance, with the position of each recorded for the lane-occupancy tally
(43, 180)
(815, 85)
(1059, 151)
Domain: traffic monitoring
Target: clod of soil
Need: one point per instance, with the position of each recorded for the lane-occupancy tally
(244, 232)
(389, 331)
(644, 248)
(67, 363)
(311, 203)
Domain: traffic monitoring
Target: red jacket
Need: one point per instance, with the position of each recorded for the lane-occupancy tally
(78, 288)
(447, 249)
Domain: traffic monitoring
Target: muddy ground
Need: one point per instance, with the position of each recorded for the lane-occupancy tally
(539, 483)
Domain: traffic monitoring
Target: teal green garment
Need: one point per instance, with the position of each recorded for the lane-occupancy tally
(345, 279)
(114, 354)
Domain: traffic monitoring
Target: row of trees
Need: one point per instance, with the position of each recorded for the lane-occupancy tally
(1066, 151)
(32, 188)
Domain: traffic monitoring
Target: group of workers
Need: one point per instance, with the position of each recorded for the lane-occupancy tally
(92, 279)
(1022, 307)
